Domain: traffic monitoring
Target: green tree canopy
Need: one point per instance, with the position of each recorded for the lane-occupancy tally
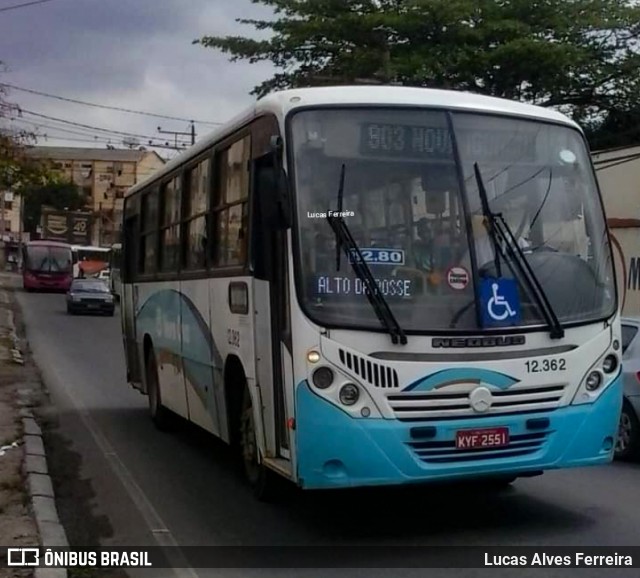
(56, 195)
(18, 171)
(34, 179)
(578, 55)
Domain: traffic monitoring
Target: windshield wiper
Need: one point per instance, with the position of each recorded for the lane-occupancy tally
(346, 242)
(507, 245)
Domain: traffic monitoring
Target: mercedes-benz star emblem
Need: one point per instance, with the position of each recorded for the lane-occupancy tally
(480, 399)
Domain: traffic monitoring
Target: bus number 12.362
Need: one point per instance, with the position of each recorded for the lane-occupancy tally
(537, 366)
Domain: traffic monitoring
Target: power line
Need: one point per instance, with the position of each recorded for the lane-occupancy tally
(90, 127)
(104, 106)
(107, 139)
(97, 141)
(24, 5)
(42, 125)
(91, 137)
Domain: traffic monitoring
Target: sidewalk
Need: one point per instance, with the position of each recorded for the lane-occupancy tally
(28, 515)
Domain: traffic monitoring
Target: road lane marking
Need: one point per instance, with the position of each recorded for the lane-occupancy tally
(162, 535)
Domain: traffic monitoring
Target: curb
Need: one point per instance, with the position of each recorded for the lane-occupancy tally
(36, 471)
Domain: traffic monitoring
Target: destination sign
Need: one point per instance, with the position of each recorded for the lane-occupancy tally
(435, 143)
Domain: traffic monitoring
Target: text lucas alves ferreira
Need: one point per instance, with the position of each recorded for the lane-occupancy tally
(579, 559)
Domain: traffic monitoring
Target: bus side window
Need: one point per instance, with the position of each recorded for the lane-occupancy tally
(231, 211)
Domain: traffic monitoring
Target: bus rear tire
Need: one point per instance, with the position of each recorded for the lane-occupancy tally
(160, 415)
(264, 482)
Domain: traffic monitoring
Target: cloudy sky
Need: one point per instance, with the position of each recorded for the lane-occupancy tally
(136, 54)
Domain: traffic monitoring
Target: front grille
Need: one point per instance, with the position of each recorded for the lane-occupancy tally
(93, 300)
(376, 374)
(445, 452)
(442, 404)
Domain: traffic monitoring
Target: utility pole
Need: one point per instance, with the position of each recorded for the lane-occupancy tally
(2, 223)
(20, 227)
(191, 133)
(100, 224)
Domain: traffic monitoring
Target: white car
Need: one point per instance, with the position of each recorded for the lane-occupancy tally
(628, 443)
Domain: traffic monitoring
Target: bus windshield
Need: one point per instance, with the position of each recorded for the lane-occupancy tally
(100, 255)
(43, 259)
(412, 203)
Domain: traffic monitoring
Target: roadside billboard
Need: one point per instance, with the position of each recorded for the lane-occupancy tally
(66, 226)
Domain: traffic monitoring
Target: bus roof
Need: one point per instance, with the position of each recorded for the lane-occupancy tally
(89, 248)
(285, 101)
(47, 243)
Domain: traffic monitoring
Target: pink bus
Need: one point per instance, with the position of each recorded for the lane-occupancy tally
(47, 265)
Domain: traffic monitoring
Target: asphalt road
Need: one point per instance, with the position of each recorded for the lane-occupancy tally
(185, 486)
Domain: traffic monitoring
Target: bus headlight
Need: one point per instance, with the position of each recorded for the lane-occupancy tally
(593, 381)
(349, 394)
(322, 377)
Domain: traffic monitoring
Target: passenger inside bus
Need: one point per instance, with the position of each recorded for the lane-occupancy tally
(423, 247)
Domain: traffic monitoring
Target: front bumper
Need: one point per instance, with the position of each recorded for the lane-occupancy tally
(46, 285)
(80, 307)
(335, 450)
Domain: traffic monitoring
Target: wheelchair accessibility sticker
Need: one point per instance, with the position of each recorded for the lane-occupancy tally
(500, 302)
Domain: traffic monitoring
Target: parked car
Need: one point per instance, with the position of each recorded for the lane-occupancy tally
(628, 443)
(90, 296)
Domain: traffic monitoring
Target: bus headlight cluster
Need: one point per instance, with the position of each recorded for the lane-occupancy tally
(598, 378)
(342, 391)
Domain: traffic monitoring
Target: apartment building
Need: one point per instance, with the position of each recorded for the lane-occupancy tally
(104, 175)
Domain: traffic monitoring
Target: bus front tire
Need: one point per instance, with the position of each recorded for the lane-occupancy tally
(265, 483)
(628, 442)
(160, 415)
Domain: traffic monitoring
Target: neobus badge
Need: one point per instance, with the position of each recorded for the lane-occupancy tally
(499, 341)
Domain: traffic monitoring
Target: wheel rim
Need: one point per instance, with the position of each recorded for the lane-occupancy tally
(625, 428)
(248, 443)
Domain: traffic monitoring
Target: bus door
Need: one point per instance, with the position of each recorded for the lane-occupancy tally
(129, 304)
(269, 255)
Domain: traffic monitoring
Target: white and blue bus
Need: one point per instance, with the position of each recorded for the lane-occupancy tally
(365, 286)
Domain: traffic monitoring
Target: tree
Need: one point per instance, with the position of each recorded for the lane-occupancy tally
(18, 171)
(33, 179)
(56, 195)
(578, 55)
